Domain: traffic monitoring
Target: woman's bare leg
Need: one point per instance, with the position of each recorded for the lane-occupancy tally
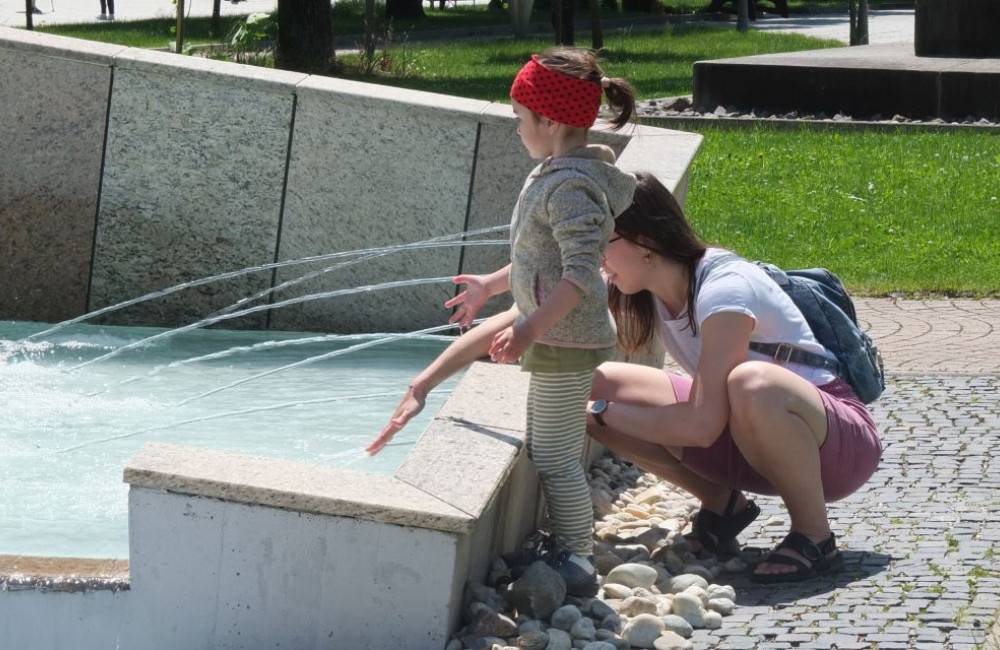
(778, 421)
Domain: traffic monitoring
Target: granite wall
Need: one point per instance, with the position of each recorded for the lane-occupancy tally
(53, 109)
(206, 167)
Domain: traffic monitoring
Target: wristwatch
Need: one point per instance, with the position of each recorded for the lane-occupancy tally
(597, 409)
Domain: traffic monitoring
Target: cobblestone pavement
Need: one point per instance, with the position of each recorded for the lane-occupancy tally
(921, 541)
(934, 336)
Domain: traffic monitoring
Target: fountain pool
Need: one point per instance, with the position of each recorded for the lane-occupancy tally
(67, 434)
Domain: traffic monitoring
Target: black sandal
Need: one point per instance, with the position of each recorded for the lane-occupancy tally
(820, 558)
(717, 533)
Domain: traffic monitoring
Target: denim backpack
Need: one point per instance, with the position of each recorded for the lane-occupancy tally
(823, 301)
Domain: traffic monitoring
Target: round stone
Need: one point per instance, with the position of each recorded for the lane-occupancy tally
(637, 605)
(533, 641)
(564, 617)
(713, 621)
(688, 607)
(671, 641)
(632, 575)
(678, 625)
(532, 625)
(600, 609)
(722, 591)
(722, 605)
(643, 630)
(685, 580)
(695, 590)
(621, 592)
(583, 629)
(559, 640)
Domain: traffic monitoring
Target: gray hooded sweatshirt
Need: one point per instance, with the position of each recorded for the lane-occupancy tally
(561, 225)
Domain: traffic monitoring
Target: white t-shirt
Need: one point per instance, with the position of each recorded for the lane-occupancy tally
(742, 287)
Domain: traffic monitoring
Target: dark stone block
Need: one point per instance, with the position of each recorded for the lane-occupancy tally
(857, 81)
(965, 28)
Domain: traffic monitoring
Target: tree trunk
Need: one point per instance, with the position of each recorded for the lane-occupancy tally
(305, 37)
(862, 22)
(215, 27)
(369, 29)
(852, 20)
(742, 15)
(596, 32)
(29, 18)
(404, 9)
(564, 21)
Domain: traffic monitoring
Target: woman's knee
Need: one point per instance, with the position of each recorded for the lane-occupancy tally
(751, 389)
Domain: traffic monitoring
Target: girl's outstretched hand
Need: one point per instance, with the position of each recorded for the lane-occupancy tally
(470, 301)
(409, 407)
(509, 344)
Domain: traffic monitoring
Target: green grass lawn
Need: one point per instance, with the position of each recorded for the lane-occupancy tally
(152, 33)
(347, 19)
(916, 213)
(657, 63)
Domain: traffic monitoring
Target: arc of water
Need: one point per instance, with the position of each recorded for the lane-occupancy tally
(251, 310)
(259, 347)
(217, 416)
(321, 357)
(364, 258)
(245, 271)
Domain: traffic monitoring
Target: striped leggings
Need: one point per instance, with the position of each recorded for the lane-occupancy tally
(557, 427)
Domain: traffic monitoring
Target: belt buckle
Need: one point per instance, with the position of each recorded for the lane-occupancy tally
(783, 350)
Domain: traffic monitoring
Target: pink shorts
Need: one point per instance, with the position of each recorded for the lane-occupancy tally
(848, 457)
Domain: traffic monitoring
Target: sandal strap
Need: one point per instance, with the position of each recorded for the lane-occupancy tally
(714, 530)
(781, 558)
(815, 553)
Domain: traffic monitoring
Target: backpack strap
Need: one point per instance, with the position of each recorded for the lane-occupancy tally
(788, 353)
(781, 353)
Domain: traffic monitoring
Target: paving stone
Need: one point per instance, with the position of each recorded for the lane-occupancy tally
(909, 538)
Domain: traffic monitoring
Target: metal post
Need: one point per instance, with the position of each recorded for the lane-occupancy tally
(29, 17)
(180, 26)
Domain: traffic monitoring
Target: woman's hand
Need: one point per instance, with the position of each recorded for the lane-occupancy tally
(509, 344)
(470, 301)
(412, 404)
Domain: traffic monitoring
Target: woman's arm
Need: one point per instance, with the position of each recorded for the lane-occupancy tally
(472, 345)
(699, 421)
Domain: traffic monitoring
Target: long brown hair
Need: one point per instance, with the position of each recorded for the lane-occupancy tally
(583, 64)
(655, 221)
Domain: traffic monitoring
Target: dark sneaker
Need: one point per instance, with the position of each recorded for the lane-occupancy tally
(536, 547)
(578, 571)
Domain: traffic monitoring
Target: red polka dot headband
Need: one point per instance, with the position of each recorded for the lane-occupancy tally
(557, 96)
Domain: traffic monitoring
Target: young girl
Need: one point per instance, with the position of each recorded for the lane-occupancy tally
(561, 224)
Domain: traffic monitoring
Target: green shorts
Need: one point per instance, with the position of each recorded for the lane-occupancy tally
(550, 358)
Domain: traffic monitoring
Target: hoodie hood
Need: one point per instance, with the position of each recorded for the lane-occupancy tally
(597, 162)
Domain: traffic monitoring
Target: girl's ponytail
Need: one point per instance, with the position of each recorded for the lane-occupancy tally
(583, 64)
(621, 100)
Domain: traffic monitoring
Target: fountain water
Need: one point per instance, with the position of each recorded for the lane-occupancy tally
(144, 170)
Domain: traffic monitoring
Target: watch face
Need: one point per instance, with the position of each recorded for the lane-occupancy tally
(599, 406)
